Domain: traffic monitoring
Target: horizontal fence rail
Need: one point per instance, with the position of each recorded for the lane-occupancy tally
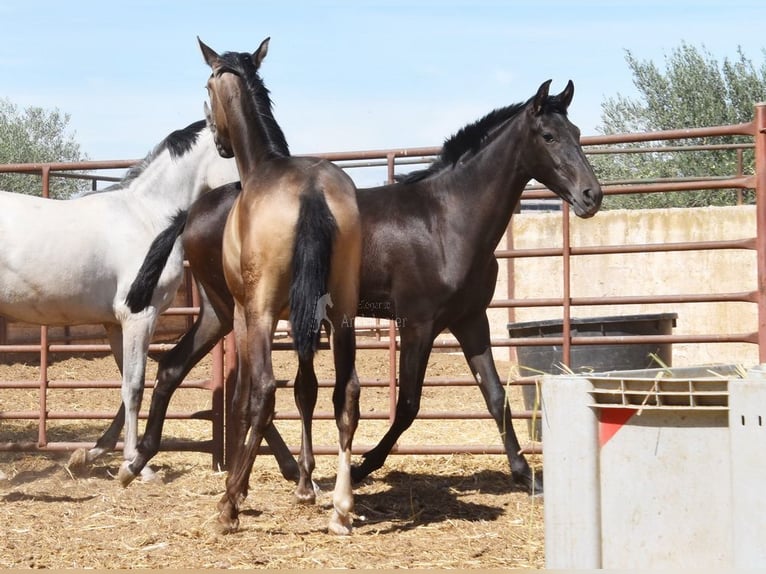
(384, 335)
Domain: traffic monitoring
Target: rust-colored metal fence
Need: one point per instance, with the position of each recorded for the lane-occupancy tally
(223, 356)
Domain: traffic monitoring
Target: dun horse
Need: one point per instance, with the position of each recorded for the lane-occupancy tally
(109, 257)
(464, 200)
(292, 238)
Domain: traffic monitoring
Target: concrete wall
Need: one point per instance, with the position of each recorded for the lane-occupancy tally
(695, 272)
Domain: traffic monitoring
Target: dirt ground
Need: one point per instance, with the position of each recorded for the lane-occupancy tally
(418, 511)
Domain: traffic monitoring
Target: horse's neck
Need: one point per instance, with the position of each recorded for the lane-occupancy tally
(249, 138)
(487, 190)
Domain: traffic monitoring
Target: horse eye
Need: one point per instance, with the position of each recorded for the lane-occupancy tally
(548, 137)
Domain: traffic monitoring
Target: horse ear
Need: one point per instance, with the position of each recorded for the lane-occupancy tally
(540, 97)
(565, 97)
(210, 55)
(261, 52)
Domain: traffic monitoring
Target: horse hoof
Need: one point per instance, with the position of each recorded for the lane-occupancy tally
(305, 496)
(307, 500)
(78, 461)
(227, 525)
(149, 476)
(339, 525)
(225, 501)
(358, 474)
(536, 490)
(125, 475)
(532, 483)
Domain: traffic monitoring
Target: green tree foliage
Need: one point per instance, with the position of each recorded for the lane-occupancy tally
(36, 135)
(693, 90)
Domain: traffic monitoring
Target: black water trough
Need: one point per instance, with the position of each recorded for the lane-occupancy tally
(534, 360)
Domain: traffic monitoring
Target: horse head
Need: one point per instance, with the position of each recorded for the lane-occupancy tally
(554, 156)
(220, 88)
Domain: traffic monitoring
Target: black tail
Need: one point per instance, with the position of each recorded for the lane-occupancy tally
(141, 291)
(312, 255)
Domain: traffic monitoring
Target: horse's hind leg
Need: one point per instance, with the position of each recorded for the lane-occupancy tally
(346, 406)
(108, 441)
(137, 332)
(171, 371)
(305, 391)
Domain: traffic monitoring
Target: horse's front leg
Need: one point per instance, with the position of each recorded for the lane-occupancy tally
(346, 406)
(253, 409)
(82, 457)
(472, 332)
(417, 341)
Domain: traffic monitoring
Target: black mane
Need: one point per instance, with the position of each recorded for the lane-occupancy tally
(471, 138)
(241, 64)
(177, 143)
(181, 141)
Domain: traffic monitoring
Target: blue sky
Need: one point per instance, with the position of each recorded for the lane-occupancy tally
(343, 75)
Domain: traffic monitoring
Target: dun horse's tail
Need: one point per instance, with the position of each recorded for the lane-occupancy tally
(141, 291)
(312, 256)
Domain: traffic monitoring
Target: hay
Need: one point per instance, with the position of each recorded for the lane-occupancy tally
(417, 512)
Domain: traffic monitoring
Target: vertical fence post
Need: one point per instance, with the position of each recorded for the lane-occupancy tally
(42, 424)
(42, 428)
(760, 200)
(566, 333)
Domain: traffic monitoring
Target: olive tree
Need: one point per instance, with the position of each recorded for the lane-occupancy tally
(693, 90)
(36, 135)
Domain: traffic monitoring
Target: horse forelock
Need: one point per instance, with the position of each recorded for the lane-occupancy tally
(554, 105)
(242, 65)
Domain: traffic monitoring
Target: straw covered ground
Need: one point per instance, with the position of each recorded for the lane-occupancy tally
(435, 511)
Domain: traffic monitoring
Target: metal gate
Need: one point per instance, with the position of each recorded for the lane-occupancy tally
(223, 355)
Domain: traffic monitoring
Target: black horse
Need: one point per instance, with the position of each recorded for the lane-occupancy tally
(428, 261)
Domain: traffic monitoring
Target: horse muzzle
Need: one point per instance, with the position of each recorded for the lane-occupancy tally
(587, 203)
